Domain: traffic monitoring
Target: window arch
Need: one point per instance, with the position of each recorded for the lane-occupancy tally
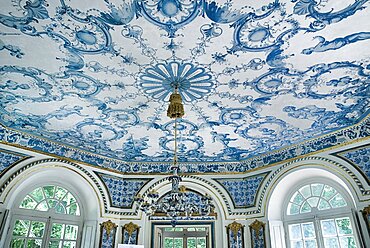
(315, 196)
(318, 214)
(48, 216)
(51, 197)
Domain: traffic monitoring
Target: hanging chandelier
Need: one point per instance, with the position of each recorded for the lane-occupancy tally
(175, 204)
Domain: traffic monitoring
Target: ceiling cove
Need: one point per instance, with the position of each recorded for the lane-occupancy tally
(255, 76)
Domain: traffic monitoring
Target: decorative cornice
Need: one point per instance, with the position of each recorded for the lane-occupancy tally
(340, 137)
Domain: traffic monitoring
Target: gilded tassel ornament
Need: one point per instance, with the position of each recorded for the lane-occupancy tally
(176, 108)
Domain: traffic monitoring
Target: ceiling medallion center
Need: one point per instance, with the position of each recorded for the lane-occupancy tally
(192, 80)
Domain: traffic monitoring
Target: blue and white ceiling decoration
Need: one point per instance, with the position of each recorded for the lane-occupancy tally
(122, 190)
(9, 158)
(95, 76)
(243, 191)
(360, 158)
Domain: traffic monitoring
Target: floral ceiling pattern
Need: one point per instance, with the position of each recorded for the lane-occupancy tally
(255, 76)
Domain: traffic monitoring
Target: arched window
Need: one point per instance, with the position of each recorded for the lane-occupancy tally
(48, 216)
(319, 215)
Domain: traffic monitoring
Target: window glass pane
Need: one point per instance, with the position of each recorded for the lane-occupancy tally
(69, 199)
(49, 191)
(310, 243)
(28, 203)
(323, 204)
(37, 229)
(305, 208)
(178, 229)
(344, 226)
(71, 232)
(178, 242)
(317, 189)
(69, 244)
(295, 231)
(331, 242)
(293, 209)
(328, 192)
(313, 201)
(328, 228)
(57, 231)
(201, 228)
(42, 206)
(191, 229)
(192, 242)
(308, 230)
(347, 242)
(169, 229)
(60, 193)
(21, 228)
(34, 243)
(297, 244)
(55, 244)
(201, 243)
(17, 243)
(73, 209)
(60, 209)
(52, 203)
(338, 201)
(305, 191)
(37, 194)
(297, 198)
(168, 243)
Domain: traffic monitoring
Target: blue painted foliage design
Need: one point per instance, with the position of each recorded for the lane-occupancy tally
(102, 83)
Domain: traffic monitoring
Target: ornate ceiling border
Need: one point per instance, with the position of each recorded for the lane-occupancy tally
(344, 136)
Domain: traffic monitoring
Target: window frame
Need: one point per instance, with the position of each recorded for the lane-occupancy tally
(316, 216)
(49, 217)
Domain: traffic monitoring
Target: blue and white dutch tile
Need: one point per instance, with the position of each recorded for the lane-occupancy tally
(361, 158)
(122, 191)
(8, 158)
(249, 82)
(242, 191)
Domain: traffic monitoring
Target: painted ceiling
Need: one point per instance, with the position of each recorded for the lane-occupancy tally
(255, 76)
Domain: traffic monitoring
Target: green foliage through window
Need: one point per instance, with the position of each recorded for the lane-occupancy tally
(51, 197)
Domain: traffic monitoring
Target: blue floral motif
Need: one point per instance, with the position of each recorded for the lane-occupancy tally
(243, 191)
(192, 81)
(9, 158)
(88, 82)
(122, 191)
(359, 157)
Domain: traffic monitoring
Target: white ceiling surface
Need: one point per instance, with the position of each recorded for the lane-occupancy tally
(251, 104)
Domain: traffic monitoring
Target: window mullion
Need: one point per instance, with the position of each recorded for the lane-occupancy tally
(319, 235)
(47, 232)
